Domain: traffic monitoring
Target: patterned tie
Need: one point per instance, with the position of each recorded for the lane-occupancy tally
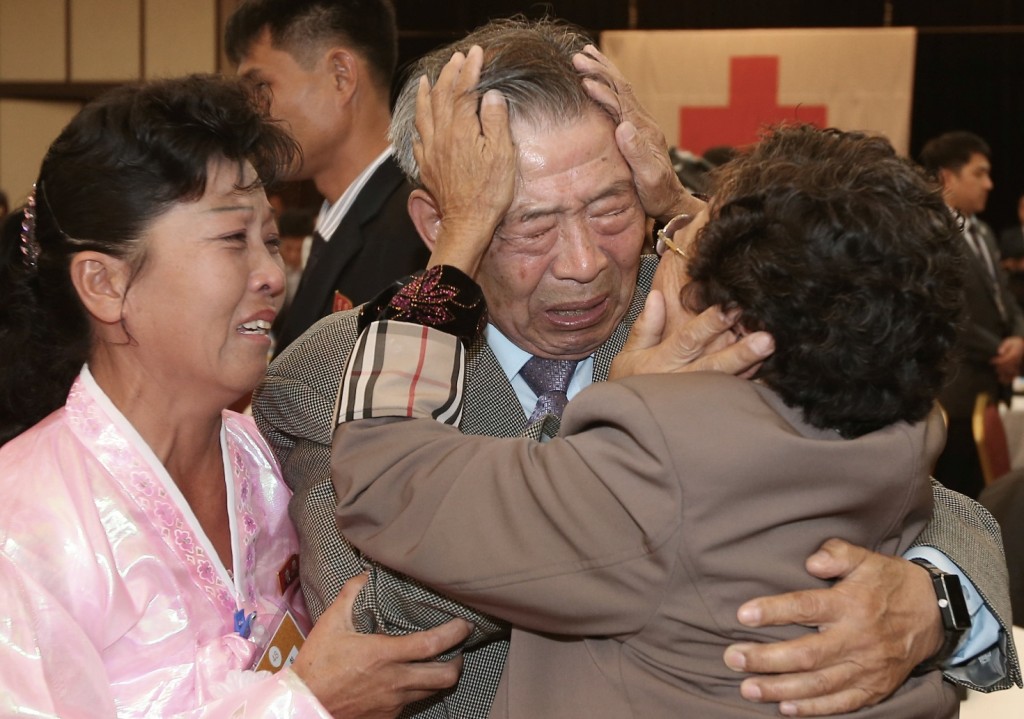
(549, 379)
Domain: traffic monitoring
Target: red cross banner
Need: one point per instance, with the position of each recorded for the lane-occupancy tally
(720, 87)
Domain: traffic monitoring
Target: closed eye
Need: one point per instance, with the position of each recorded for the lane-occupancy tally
(529, 240)
(614, 221)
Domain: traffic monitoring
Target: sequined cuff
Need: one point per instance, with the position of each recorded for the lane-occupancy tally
(442, 297)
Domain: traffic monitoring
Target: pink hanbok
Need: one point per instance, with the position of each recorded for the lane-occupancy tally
(112, 599)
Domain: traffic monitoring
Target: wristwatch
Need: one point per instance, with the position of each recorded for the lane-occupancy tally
(956, 619)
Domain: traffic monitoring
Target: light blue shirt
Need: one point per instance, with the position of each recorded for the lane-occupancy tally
(984, 625)
(512, 358)
(984, 628)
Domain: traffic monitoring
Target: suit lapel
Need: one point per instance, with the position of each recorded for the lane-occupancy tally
(315, 294)
(490, 406)
(611, 348)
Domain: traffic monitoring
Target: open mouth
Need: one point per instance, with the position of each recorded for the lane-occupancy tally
(254, 327)
(579, 315)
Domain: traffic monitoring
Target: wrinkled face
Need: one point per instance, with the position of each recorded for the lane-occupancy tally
(303, 98)
(200, 308)
(967, 189)
(561, 270)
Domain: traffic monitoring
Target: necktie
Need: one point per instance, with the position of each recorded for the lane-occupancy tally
(976, 243)
(971, 232)
(549, 379)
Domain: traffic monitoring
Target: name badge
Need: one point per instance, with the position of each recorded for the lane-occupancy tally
(284, 645)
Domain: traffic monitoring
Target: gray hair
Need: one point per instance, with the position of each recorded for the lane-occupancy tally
(529, 62)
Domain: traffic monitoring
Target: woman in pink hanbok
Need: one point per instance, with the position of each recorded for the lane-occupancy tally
(147, 563)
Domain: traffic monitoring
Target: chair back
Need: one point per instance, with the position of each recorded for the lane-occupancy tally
(990, 438)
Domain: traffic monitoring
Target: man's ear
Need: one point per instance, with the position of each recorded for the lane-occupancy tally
(945, 176)
(425, 216)
(344, 70)
(101, 282)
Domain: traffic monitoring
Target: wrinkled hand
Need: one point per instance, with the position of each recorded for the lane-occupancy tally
(466, 159)
(704, 343)
(1008, 358)
(638, 136)
(372, 676)
(875, 625)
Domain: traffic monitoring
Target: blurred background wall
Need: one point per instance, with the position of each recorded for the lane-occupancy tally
(56, 54)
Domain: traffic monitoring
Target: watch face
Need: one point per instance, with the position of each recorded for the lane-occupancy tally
(958, 612)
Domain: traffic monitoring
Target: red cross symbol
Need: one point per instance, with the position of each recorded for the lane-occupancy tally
(753, 103)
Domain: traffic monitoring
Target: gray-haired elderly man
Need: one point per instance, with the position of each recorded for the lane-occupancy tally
(564, 279)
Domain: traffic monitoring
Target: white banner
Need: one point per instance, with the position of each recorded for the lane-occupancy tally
(721, 87)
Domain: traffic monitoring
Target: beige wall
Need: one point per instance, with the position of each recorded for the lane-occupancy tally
(26, 130)
(32, 40)
(181, 37)
(56, 45)
(105, 40)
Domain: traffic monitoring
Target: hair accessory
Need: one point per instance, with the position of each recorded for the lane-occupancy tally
(29, 243)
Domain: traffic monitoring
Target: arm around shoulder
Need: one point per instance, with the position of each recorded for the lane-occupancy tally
(969, 536)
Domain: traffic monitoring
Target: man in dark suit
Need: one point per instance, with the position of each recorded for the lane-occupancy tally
(992, 334)
(564, 279)
(327, 66)
(1011, 247)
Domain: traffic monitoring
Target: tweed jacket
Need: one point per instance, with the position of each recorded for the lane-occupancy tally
(984, 328)
(294, 408)
(621, 550)
(375, 244)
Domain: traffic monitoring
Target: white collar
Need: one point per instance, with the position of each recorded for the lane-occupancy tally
(331, 215)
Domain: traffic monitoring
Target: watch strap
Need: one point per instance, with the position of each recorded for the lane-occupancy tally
(956, 620)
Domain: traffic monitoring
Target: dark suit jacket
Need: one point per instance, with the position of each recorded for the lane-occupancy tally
(1011, 245)
(375, 244)
(984, 328)
(1011, 242)
(294, 407)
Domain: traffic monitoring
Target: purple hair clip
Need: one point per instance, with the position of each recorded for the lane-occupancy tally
(29, 244)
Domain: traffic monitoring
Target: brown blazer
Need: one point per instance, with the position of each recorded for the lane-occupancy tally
(294, 409)
(622, 552)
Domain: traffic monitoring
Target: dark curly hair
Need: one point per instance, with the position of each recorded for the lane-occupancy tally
(849, 257)
(124, 160)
